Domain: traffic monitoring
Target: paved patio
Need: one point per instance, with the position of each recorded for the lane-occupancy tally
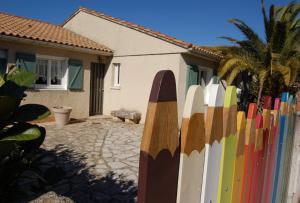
(99, 160)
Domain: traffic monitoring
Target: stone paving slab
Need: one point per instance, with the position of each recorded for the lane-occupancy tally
(99, 157)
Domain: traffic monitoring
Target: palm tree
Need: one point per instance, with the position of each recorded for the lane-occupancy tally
(278, 54)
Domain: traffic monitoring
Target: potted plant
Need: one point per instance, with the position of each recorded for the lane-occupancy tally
(62, 115)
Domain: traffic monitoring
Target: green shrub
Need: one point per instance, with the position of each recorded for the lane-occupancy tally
(18, 139)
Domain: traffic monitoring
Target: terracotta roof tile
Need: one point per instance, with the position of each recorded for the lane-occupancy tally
(178, 42)
(21, 27)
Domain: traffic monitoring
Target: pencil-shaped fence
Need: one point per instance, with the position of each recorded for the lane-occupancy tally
(219, 156)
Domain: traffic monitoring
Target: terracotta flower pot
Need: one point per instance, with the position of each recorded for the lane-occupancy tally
(62, 115)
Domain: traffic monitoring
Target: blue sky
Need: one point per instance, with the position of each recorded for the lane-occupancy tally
(196, 21)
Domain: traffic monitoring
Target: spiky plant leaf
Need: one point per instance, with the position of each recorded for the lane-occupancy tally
(22, 135)
(2, 81)
(21, 77)
(8, 105)
(26, 135)
(30, 112)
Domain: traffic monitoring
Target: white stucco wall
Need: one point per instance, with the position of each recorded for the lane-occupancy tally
(123, 40)
(78, 100)
(141, 56)
(136, 77)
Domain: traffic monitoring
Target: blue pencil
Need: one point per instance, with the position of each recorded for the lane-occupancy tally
(282, 137)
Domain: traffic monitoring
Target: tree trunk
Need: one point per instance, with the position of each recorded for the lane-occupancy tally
(259, 96)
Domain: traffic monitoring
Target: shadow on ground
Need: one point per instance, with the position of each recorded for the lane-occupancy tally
(65, 172)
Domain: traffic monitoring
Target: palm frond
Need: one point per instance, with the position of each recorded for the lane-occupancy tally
(230, 39)
(227, 65)
(268, 22)
(249, 33)
(291, 46)
(294, 66)
(295, 25)
(262, 76)
(233, 74)
(284, 71)
(279, 37)
(289, 13)
(292, 12)
(249, 47)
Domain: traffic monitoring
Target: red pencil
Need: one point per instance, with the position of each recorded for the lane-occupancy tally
(257, 159)
(248, 151)
(267, 190)
(266, 144)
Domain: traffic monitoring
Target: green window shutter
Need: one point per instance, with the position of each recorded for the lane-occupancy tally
(26, 61)
(75, 80)
(192, 76)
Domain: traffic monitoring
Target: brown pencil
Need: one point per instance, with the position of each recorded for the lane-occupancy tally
(159, 152)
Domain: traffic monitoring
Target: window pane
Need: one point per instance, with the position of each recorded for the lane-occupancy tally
(203, 81)
(42, 72)
(56, 70)
(116, 74)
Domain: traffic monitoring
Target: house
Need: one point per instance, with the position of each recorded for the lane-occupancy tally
(139, 53)
(76, 68)
(69, 67)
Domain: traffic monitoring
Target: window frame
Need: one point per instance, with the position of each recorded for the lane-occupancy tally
(116, 72)
(205, 75)
(64, 79)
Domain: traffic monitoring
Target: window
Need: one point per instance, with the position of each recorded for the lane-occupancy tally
(51, 72)
(202, 77)
(3, 61)
(116, 75)
(205, 76)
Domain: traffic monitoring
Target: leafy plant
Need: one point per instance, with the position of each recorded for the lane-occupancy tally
(18, 138)
(271, 62)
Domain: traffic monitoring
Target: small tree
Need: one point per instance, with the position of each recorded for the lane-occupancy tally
(274, 61)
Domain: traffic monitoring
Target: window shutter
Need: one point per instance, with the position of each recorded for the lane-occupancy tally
(75, 81)
(26, 61)
(192, 76)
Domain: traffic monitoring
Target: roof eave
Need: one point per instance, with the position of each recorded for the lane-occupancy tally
(207, 56)
(70, 17)
(181, 44)
(55, 45)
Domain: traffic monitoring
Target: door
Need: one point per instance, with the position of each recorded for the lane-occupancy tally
(96, 91)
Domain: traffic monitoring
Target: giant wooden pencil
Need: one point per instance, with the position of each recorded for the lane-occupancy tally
(295, 160)
(287, 150)
(228, 145)
(192, 153)
(239, 159)
(213, 147)
(266, 144)
(159, 152)
(267, 191)
(249, 152)
(282, 135)
(257, 157)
